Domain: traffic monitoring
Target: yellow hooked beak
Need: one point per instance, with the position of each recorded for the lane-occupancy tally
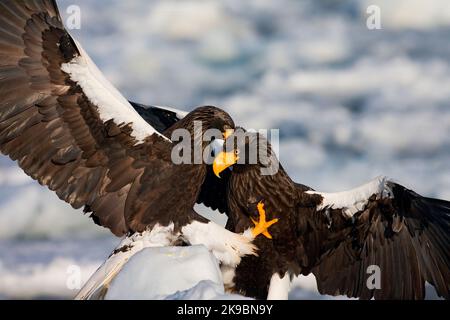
(227, 133)
(223, 161)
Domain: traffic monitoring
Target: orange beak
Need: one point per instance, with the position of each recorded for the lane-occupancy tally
(227, 133)
(224, 160)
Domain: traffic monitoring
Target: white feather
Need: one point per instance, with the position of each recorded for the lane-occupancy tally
(217, 146)
(354, 200)
(227, 246)
(110, 103)
(279, 287)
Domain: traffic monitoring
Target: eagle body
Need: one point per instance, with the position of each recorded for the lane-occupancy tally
(282, 254)
(339, 237)
(72, 131)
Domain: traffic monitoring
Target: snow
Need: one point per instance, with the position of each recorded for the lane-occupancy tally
(173, 19)
(159, 273)
(38, 213)
(205, 290)
(158, 236)
(414, 14)
(187, 273)
(42, 280)
(305, 288)
(43, 268)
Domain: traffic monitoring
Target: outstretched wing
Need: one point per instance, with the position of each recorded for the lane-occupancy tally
(71, 130)
(381, 226)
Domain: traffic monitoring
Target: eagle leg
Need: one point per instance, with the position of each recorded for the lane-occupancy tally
(262, 226)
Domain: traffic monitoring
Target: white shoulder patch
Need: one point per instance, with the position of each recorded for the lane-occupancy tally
(179, 113)
(355, 200)
(110, 103)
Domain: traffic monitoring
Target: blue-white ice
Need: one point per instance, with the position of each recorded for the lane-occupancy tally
(174, 273)
(351, 104)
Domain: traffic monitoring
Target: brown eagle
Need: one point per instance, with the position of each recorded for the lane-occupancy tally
(339, 237)
(72, 131)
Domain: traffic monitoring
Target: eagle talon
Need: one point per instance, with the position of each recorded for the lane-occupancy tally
(262, 226)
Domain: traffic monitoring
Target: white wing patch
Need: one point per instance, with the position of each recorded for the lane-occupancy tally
(111, 104)
(179, 113)
(355, 200)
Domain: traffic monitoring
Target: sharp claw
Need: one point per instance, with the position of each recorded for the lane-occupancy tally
(260, 205)
(271, 222)
(267, 234)
(262, 226)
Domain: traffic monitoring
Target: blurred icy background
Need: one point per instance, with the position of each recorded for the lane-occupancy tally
(351, 104)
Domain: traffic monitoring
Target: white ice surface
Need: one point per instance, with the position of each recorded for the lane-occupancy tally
(43, 280)
(159, 273)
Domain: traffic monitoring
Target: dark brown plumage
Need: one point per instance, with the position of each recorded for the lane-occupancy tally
(405, 234)
(59, 136)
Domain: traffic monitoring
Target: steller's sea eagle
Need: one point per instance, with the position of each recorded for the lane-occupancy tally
(339, 237)
(72, 131)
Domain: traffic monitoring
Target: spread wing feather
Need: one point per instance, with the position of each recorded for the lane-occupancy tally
(68, 127)
(385, 225)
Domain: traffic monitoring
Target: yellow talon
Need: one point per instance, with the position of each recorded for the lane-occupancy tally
(262, 226)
